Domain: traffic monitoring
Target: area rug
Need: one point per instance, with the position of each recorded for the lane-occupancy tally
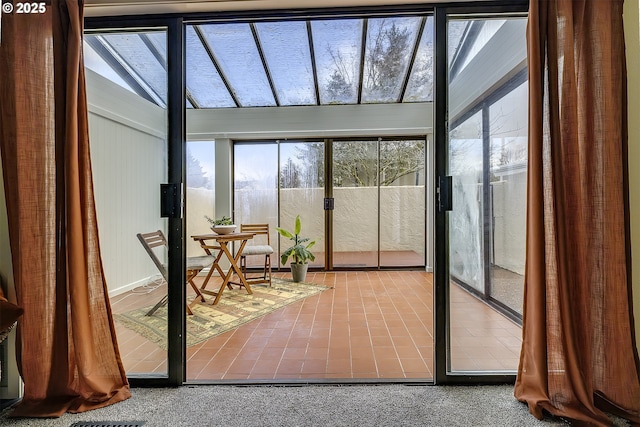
(235, 308)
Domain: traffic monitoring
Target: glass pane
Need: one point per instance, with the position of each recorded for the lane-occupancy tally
(302, 193)
(465, 221)
(235, 50)
(286, 49)
(200, 192)
(129, 162)
(420, 87)
(95, 62)
(355, 190)
(508, 118)
(456, 31)
(337, 46)
(390, 43)
(483, 32)
(402, 203)
(255, 186)
(203, 81)
(135, 56)
(487, 160)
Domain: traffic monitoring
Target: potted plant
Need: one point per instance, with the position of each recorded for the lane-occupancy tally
(222, 225)
(299, 252)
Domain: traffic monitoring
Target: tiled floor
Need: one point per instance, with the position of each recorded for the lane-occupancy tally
(370, 325)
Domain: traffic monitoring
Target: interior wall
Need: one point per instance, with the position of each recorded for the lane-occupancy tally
(322, 121)
(128, 154)
(632, 42)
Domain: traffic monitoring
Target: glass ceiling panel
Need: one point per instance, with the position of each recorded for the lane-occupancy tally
(390, 43)
(135, 55)
(420, 86)
(159, 41)
(235, 50)
(337, 45)
(286, 49)
(456, 31)
(203, 81)
(95, 62)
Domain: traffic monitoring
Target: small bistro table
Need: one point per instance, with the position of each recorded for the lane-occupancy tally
(222, 241)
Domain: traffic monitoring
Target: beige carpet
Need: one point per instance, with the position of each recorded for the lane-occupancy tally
(235, 308)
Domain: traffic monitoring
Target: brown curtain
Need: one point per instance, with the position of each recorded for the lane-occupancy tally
(67, 350)
(579, 357)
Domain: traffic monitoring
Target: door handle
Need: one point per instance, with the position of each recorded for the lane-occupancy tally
(444, 192)
(329, 203)
(170, 201)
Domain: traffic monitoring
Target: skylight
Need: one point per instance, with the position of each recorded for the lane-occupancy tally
(278, 63)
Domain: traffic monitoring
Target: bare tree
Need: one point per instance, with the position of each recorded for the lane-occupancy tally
(356, 163)
(290, 175)
(385, 55)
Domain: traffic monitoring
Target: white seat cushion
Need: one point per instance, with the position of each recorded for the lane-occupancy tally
(199, 262)
(257, 250)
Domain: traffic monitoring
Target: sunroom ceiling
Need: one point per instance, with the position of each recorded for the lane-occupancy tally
(280, 63)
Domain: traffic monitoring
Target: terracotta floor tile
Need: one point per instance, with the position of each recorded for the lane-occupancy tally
(314, 366)
(389, 365)
(413, 365)
(339, 352)
(265, 366)
(346, 332)
(294, 353)
(339, 366)
(317, 353)
(291, 366)
(363, 365)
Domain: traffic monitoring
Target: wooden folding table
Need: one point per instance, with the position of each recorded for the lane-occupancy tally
(222, 242)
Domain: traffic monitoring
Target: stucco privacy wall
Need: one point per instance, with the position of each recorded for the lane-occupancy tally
(404, 205)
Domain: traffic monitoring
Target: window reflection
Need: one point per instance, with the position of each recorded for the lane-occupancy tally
(390, 42)
(280, 63)
(233, 47)
(337, 45)
(286, 50)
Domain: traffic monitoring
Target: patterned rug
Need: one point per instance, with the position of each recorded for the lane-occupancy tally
(235, 308)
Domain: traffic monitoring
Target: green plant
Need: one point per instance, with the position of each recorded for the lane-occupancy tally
(225, 220)
(299, 252)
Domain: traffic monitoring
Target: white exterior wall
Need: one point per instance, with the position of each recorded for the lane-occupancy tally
(128, 155)
(510, 214)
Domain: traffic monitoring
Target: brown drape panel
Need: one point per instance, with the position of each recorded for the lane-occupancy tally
(579, 354)
(68, 355)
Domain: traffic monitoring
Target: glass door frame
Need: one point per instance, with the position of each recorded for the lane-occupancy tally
(177, 160)
(176, 174)
(329, 187)
(442, 310)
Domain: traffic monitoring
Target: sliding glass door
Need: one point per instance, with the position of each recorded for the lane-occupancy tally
(375, 211)
(127, 90)
(302, 190)
(355, 190)
(379, 192)
(486, 160)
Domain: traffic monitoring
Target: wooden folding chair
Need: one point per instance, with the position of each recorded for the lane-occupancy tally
(257, 249)
(156, 239)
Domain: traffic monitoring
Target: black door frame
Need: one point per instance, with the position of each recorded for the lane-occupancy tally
(442, 311)
(177, 161)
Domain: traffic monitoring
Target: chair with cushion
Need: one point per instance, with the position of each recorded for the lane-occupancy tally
(156, 239)
(260, 245)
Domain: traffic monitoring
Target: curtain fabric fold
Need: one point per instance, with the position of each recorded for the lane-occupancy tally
(67, 350)
(579, 357)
